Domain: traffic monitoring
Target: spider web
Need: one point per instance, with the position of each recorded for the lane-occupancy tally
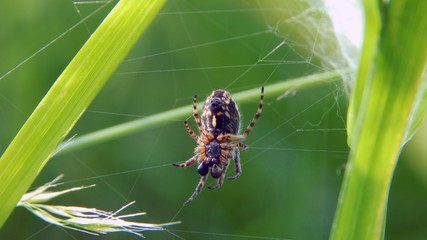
(292, 170)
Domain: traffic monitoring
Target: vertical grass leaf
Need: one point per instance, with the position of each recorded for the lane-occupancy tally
(68, 98)
(420, 110)
(372, 33)
(389, 95)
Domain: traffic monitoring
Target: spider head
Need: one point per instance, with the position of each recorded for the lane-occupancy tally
(213, 150)
(213, 164)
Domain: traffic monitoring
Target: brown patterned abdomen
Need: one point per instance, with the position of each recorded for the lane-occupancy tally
(220, 113)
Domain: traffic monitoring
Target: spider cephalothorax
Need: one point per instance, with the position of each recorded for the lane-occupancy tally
(218, 140)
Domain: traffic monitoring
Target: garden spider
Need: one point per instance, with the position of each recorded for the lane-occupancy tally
(219, 140)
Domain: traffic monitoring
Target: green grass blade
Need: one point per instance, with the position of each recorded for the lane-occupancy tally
(372, 30)
(382, 118)
(420, 110)
(124, 129)
(68, 98)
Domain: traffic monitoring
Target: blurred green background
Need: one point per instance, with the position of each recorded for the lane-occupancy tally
(293, 169)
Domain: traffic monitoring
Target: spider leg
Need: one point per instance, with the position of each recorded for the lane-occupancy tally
(196, 116)
(221, 178)
(244, 146)
(258, 113)
(190, 131)
(237, 164)
(198, 189)
(188, 162)
(241, 145)
(233, 137)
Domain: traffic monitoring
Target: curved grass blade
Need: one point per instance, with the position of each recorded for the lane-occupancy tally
(68, 98)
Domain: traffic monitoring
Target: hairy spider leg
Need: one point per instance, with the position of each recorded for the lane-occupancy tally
(190, 131)
(198, 189)
(241, 145)
(237, 164)
(221, 178)
(258, 113)
(188, 162)
(233, 137)
(196, 116)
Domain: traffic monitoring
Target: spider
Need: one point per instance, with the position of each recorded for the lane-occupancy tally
(219, 140)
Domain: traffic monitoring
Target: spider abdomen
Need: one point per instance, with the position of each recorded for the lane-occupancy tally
(220, 113)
